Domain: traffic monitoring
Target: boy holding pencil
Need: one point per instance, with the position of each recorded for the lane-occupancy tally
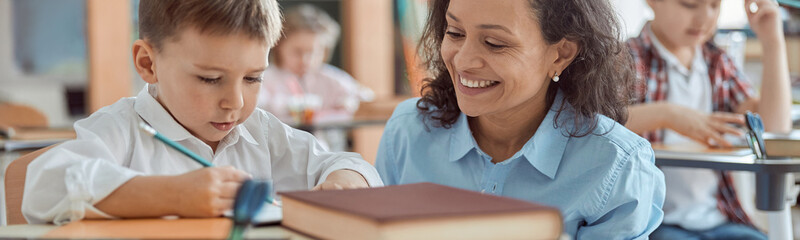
(203, 62)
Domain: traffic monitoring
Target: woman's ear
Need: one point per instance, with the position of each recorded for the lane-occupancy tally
(144, 61)
(566, 51)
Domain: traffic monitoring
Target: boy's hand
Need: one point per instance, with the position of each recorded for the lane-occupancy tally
(703, 127)
(207, 192)
(343, 179)
(765, 20)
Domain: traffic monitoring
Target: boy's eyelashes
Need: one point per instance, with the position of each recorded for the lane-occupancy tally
(209, 79)
(688, 5)
(214, 80)
(254, 79)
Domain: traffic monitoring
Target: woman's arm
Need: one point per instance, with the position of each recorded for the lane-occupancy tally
(630, 201)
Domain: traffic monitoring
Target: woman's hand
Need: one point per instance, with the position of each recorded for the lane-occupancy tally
(207, 192)
(702, 127)
(343, 179)
(765, 20)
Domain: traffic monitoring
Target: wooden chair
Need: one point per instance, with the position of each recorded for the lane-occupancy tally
(15, 185)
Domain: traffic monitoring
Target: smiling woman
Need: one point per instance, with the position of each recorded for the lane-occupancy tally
(595, 77)
(526, 101)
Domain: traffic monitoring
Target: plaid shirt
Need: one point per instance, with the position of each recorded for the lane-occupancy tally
(729, 88)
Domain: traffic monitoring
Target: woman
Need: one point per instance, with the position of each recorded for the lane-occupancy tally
(526, 102)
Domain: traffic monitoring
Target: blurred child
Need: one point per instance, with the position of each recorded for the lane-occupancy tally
(691, 91)
(300, 87)
(203, 62)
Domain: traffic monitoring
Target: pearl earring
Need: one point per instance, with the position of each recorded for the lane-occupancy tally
(555, 77)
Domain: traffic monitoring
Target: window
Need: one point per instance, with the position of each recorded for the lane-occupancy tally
(49, 39)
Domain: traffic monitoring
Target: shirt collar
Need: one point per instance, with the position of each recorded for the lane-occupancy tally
(544, 150)
(243, 133)
(151, 111)
(238, 132)
(698, 63)
(461, 139)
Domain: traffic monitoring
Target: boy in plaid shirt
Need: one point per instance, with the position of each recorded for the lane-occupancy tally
(689, 90)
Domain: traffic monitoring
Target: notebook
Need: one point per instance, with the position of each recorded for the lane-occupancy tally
(268, 215)
(13, 145)
(12, 139)
(701, 152)
(782, 145)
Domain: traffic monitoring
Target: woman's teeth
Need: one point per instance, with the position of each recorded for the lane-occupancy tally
(477, 84)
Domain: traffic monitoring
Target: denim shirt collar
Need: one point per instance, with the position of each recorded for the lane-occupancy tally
(543, 151)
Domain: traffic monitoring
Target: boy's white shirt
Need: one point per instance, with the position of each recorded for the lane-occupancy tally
(691, 192)
(66, 182)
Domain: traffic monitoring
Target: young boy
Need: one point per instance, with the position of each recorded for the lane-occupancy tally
(203, 62)
(690, 90)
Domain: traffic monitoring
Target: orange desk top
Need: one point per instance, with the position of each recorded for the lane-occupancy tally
(207, 228)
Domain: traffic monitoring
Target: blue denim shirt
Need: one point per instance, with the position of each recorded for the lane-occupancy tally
(605, 184)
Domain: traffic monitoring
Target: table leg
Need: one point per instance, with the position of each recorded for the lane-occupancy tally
(780, 224)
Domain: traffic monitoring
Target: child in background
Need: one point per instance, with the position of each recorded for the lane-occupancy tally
(690, 90)
(299, 78)
(203, 62)
(300, 87)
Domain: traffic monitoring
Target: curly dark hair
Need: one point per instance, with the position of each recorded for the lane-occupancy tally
(598, 81)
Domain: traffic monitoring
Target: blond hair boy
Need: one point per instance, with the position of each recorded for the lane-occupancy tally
(203, 62)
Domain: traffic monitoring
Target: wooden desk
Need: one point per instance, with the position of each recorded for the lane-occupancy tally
(210, 228)
(771, 180)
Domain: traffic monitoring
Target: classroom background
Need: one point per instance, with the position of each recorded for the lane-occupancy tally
(61, 60)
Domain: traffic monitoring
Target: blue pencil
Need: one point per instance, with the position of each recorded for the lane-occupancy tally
(790, 3)
(151, 131)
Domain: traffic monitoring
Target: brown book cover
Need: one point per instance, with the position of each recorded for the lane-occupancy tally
(413, 211)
